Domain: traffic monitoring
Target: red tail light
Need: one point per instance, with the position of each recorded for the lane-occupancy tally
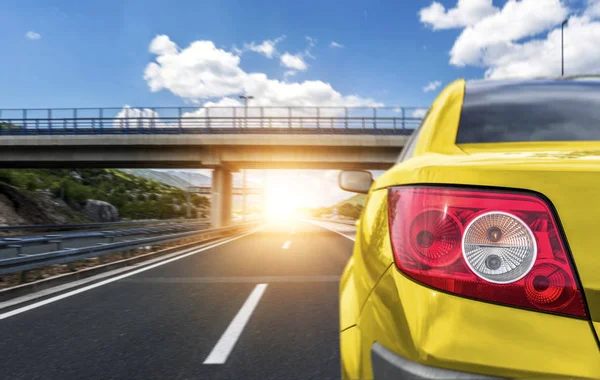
(493, 246)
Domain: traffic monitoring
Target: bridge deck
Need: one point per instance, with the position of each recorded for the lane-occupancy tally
(200, 131)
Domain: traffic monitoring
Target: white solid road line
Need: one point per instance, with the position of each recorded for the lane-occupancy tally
(286, 245)
(223, 348)
(113, 279)
(332, 230)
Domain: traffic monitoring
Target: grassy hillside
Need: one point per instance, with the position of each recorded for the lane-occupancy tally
(357, 200)
(160, 176)
(349, 208)
(135, 197)
(196, 179)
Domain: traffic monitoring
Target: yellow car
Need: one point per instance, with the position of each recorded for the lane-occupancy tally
(478, 254)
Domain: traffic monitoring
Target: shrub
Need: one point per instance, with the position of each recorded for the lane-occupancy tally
(76, 192)
(6, 176)
(351, 211)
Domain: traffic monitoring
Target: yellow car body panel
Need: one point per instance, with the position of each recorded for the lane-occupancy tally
(447, 331)
(362, 272)
(442, 330)
(350, 355)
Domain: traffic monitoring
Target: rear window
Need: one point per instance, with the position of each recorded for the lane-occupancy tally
(501, 111)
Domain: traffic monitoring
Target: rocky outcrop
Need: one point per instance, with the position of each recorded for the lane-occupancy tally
(19, 207)
(100, 211)
(8, 215)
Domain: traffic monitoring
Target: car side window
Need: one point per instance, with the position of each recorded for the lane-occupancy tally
(409, 148)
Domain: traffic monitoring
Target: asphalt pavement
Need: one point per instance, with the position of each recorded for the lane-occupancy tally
(262, 306)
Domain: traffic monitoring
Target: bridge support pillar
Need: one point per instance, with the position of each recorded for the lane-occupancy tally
(221, 197)
(263, 195)
(244, 207)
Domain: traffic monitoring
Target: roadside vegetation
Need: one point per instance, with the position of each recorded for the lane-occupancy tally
(134, 197)
(348, 209)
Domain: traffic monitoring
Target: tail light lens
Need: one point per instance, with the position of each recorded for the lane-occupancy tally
(498, 247)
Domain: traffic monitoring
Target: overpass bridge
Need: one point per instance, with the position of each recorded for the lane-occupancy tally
(225, 139)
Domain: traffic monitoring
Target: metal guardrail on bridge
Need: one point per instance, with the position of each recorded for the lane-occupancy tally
(211, 120)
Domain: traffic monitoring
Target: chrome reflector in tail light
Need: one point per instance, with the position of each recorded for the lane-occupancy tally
(499, 247)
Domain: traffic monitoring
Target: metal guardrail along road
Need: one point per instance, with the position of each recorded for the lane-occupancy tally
(25, 263)
(348, 222)
(19, 242)
(86, 226)
(212, 120)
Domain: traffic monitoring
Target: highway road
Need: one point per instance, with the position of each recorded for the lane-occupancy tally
(259, 306)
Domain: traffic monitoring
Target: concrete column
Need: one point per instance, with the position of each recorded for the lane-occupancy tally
(244, 207)
(263, 195)
(221, 198)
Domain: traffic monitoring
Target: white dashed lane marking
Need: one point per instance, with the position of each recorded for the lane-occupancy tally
(225, 345)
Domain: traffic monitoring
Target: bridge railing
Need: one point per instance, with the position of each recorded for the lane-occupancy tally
(186, 120)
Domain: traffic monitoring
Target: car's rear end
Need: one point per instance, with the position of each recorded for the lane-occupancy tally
(494, 233)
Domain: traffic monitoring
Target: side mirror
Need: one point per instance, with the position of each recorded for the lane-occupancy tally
(356, 181)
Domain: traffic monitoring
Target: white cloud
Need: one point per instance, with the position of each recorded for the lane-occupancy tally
(33, 35)
(493, 34)
(236, 50)
(541, 57)
(201, 71)
(266, 48)
(419, 113)
(593, 8)
(295, 62)
(289, 73)
(466, 13)
(523, 39)
(432, 86)
(162, 45)
(334, 44)
(311, 44)
(219, 108)
(128, 112)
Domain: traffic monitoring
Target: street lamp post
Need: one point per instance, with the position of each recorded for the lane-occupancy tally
(562, 46)
(246, 98)
(244, 210)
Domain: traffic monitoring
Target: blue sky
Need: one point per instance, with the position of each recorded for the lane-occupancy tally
(158, 53)
(93, 53)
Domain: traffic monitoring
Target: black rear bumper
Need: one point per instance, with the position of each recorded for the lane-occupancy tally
(387, 366)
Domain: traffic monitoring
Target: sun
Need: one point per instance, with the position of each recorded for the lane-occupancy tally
(282, 200)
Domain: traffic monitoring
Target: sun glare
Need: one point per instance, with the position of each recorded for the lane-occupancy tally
(281, 203)
(284, 199)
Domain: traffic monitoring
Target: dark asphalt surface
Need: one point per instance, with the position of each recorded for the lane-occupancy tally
(163, 323)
